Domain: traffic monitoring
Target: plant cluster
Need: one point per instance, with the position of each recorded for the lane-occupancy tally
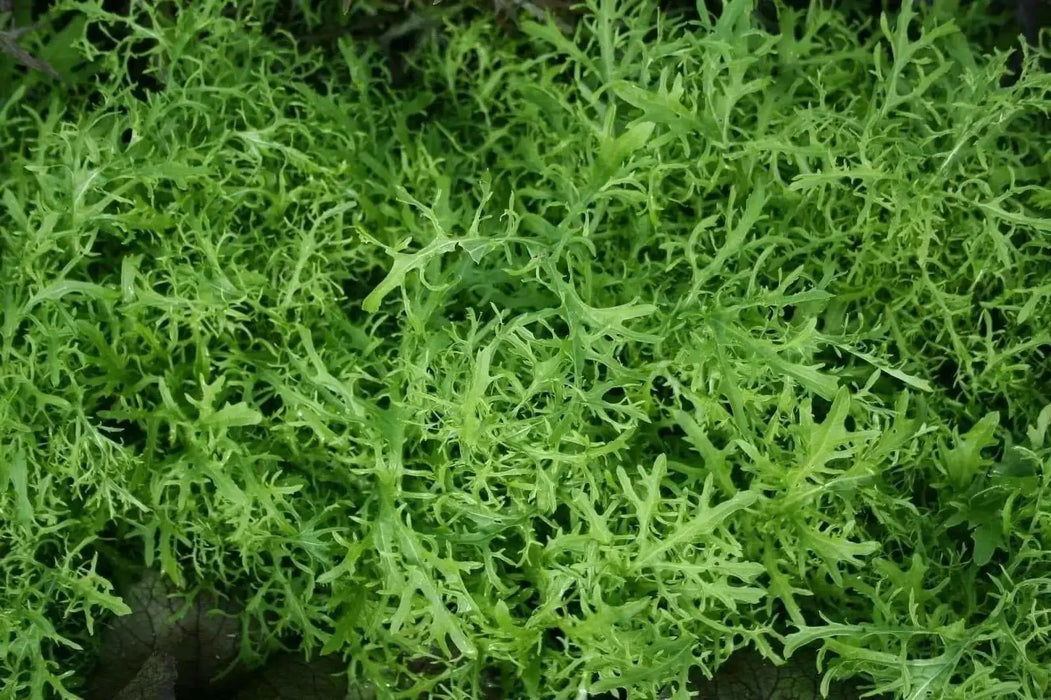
(574, 365)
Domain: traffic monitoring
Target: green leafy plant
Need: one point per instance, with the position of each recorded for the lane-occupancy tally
(581, 363)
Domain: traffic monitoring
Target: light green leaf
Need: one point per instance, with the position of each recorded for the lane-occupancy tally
(233, 416)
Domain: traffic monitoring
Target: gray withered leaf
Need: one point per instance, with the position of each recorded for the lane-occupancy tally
(201, 636)
(155, 680)
(291, 677)
(177, 646)
(748, 676)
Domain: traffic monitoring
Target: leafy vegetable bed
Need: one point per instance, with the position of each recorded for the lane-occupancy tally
(567, 366)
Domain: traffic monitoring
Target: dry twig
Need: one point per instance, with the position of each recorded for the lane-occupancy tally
(9, 43)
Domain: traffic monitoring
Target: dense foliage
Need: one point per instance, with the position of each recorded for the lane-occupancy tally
(567, 364)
